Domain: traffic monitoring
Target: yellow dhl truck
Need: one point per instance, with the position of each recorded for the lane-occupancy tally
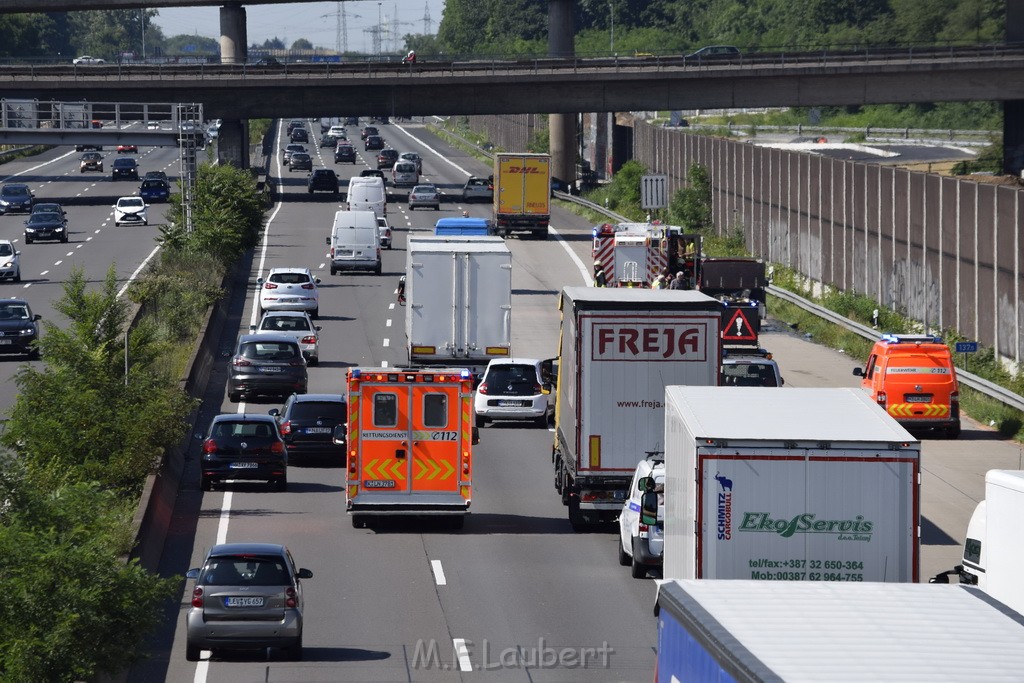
(410, 443)
(522, 193)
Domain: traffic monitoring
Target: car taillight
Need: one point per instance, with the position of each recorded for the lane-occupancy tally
(537, 388)
(954, 398)
(209, 446)
(482, 388)
(880, 398)
(332, 252)
(269, 285)
(643, 527)
(240, 362)
(309, 285)
(286, 427)
(197, 597)
(277, 447)
(289, 600)
(309, 340)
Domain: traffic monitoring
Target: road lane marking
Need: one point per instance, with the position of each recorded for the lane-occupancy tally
(58, 263)
(462, 652)
(43, 273)
(388, 323)
(439, 579)
(137, 271)
(391, 306)
(387, 342)
(383, 363)
(27, 285)
(35, 168)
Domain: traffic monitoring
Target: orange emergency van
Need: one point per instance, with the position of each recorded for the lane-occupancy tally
(913, 378)
(410, 443)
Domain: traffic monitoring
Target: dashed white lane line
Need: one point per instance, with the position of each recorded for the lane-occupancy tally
(57, 263)
(462, 652)
(391, 306)
(38, 166)
(70, 253)
(439, 579)
(43, 273)
(27, 285)
(387, 323)
(383, 363)
(322, 266)
(387, 342)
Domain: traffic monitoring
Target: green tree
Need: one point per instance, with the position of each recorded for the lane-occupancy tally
(72, 607)
(191, 45)
(80, 417)
(302, 44)
(691, 206)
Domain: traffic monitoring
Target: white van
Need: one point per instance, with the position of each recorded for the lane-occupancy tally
(405, 173)
(354, 242)
(367, 194)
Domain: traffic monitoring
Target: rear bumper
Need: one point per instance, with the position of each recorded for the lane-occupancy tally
(266, 385)
(354, 265)
(408, 504)
(221, 470)
(241, 635)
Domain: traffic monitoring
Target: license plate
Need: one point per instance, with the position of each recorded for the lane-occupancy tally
(379, 484)
(6, 341)
(619, 495)
(919, 399)
(243, 465)
(318, 430)
(243, 602)
(270, 368)
(511, 404)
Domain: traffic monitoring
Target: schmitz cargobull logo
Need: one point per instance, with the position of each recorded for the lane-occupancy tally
(656, 341)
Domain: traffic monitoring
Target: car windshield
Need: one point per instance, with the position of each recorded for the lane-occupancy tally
(10, 311)
(153, 184)
(269, 351)
(127, 163)
(311, 410)
(46, 208)
(14, 191)
(513, 376)
(289, 323)
(48, 218)
(749, 375)
(6, 250)
(478, 183)
(131, 203)
(289, 278)
(245, 570)
(90, 156)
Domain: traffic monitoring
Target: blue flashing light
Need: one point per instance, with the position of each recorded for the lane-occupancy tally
(466, 374)
(356, 373)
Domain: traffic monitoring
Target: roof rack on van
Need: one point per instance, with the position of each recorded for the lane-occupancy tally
(655, 456)
(910, 338)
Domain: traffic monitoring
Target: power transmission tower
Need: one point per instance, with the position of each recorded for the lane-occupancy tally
(393, 25)
(426, 18)
(341, 26)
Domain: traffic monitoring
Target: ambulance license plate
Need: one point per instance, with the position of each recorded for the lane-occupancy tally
(919, 399)
(379, 484)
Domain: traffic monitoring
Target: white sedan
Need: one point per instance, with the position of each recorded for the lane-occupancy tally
(86, 59)
(10, 261)
(130, 210)
(289, 289)
(295, 324)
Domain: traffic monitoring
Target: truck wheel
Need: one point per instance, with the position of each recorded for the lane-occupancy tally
(540, 234)
(637, 570)
(624, 558)
(576, 518)
(953, 432)
(206, 485)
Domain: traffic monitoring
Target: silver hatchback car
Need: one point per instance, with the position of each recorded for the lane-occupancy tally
(246, 596)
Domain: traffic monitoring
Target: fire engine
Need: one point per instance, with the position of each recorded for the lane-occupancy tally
(410, 443)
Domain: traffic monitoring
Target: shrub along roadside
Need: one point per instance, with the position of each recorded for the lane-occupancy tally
(83, 435)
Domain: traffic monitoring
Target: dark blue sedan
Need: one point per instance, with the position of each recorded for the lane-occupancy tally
(155, 191)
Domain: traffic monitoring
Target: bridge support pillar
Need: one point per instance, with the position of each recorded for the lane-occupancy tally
(1013, 110)
(233, 39)
(562, 127)
(233, 143)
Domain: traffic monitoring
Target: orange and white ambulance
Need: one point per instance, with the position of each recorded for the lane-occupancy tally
(410, 443)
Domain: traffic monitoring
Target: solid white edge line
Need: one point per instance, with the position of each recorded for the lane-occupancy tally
(439, 578)
(462, 652)
(35, 168)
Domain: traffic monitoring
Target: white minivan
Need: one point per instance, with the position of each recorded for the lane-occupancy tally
(641, 545)
(367, 194)
(404, 173)
(354, 242)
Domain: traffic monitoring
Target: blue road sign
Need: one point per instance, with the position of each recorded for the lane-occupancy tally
(967, 347)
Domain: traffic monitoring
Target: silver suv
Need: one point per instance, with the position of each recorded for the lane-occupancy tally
(246, 596)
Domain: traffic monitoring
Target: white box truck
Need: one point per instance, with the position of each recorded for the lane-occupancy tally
(788, 485)
(754, 631)
(994, 546)
(458, 301)
(618, 350)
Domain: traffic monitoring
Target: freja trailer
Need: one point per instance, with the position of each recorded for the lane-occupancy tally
(618, 350)
(758, 632)
(788, 485)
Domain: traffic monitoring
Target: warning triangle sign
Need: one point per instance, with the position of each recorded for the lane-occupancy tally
(739, 328)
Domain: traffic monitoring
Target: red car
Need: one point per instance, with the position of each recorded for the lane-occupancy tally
(129, 149)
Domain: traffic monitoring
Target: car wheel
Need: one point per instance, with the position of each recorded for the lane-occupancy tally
(206, 484)
(28, 240)
(334, 271)
(281, 485)
(17, 276)
(191, 651)
(314, 361)
(34, 354)
(294, 652)
(116, 224)
(360, 522)
(637, 570)
(65, 240)
(481, 421)
(311, 191)
(377, 270)
(624, 558)
(315, 313)
(234, 397)
(542, 421)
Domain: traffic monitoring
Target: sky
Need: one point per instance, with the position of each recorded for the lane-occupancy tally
(292, 21)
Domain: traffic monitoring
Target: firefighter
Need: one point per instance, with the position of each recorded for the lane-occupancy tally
(600, 279)
(659, 282)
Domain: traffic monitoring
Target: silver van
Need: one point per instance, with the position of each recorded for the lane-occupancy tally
(367, 194)
(404, 173)
(355, 242)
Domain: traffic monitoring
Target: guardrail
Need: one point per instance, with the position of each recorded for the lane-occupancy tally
(971, 380)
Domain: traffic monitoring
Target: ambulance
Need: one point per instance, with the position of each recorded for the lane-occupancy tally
(410, 443)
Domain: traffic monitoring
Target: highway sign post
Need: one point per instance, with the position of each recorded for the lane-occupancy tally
(966, 347)
(654, 192)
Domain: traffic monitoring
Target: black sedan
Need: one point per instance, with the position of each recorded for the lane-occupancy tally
(15, 197)
(241, 446)
(345, 153)
(300, 161)
(323, 180)
(373, 142)
(124, 167)
(18, 328)
(308, 423)
(46, 226)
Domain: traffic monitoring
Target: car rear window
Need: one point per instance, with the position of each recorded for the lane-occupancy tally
(269, 351)
(290, 323)
(243, 428)
(289, 278)
(246, 570)
(517, 376)
(749, 375)
(310, 410)
(6, 250)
